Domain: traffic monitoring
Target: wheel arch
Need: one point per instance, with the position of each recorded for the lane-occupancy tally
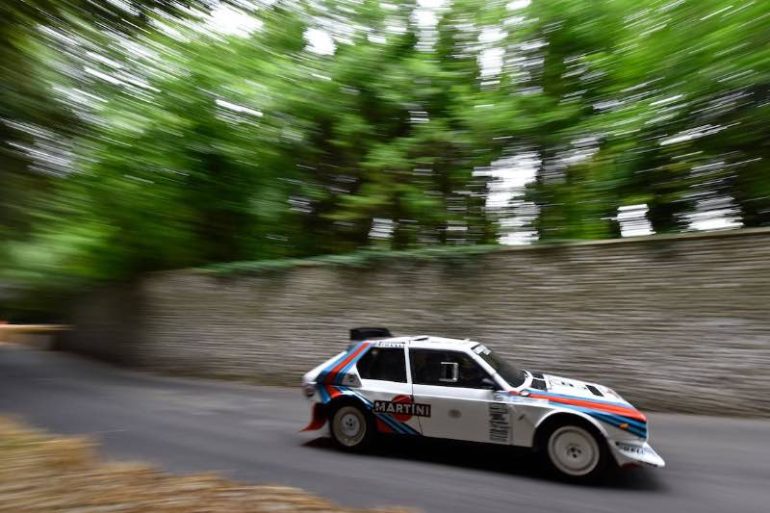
(558, 418)
(344, 400)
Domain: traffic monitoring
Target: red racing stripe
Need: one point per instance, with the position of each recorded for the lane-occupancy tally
(332, 375)
(332, 391)
(382, 427)
(625, 411)
(317, 421)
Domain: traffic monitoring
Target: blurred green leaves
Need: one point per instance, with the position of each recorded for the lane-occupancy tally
(138, 138)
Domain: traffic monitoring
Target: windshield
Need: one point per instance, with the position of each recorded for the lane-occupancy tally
(510, 373)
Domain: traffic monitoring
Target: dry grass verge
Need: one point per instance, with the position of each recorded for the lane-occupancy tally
(40, 473)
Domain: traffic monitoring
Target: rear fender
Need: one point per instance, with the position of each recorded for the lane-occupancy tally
(322, 411)
(318, 418)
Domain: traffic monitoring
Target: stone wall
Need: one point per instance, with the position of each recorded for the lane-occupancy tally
(674, 323)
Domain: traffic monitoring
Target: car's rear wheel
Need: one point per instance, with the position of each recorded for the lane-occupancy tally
(351, 428)
(575, 453)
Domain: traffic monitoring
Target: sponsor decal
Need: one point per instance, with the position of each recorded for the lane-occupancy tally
(402, 409)
(633, 449)
(499, 423)
(394, 422)
(396, 345)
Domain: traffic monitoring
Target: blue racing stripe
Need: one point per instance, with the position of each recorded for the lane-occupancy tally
(408, 430)
(393, 423)
(323, 393)
(344, 370)
(325, 371)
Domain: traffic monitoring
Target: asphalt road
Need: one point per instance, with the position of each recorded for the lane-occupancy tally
(251, 434)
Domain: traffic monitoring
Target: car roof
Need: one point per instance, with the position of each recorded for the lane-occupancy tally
(424, 341)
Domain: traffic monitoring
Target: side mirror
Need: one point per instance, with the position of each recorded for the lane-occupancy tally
(488, 383)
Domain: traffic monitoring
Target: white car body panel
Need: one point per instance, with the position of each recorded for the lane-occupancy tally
(458, 413)
(509, 415)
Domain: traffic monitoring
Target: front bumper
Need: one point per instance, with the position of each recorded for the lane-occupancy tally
(630, 453)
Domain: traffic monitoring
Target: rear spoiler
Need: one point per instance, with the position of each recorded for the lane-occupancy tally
(359, 334)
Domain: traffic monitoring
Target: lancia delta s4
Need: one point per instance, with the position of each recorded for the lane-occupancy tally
(461, 390)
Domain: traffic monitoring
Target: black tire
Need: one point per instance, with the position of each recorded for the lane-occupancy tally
(352, 427)
(574, 452)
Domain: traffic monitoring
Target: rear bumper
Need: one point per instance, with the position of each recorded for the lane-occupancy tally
(629, 453)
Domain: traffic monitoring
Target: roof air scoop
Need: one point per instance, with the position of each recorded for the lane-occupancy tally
(594, 390)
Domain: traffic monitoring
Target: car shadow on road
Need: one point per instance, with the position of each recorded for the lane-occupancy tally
(514, 462)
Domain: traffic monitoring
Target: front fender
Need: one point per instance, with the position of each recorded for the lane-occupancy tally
(566, 414)
(624, 449)
(532, 417)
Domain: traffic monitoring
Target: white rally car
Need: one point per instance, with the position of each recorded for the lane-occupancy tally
(461, 390)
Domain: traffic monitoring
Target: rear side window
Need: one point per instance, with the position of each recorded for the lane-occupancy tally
(383, 363)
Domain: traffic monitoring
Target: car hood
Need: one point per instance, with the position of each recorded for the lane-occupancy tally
(598, 401)
(575, 388)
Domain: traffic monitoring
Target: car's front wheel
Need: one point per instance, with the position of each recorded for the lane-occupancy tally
(576, 453)
(351, 428)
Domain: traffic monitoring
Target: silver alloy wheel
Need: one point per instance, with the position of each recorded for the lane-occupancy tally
(573, 451)
(349, 426)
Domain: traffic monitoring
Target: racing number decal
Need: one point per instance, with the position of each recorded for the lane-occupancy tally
(499, 423)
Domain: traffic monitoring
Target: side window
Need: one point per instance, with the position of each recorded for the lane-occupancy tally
(445, 368)
(383, 363)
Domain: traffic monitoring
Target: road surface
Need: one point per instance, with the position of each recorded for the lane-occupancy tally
(251, 433)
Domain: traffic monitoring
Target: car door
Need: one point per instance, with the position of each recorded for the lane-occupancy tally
(459, 396)
(386, 389)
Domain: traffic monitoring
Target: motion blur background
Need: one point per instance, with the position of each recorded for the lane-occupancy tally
(138, 136)
(223, 188)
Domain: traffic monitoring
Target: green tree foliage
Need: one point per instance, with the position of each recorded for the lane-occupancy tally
(390, 138)
(32, 121)
(136, 137)
(671, 91)
(200, 147)
(177, 167)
